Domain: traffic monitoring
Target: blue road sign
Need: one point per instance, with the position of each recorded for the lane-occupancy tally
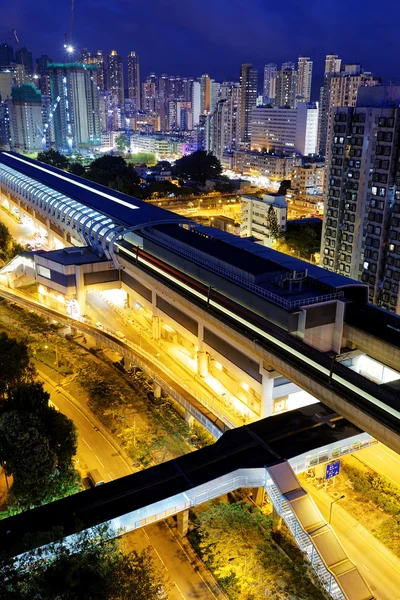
(332, 469)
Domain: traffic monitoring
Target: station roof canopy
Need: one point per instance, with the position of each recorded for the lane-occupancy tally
(123, 209)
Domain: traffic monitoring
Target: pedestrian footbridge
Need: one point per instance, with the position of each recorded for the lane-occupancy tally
(264, 455)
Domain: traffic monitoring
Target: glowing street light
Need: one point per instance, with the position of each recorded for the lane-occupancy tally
(69, 48)
(332, 503)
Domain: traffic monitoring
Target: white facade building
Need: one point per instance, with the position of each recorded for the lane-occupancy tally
(307, 128)
(254, 221)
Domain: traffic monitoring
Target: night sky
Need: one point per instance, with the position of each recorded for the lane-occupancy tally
(187, 37)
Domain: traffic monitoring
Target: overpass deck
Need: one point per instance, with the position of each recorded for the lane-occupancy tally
(250, 456)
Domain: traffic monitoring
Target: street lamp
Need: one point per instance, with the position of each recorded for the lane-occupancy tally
(332, 503)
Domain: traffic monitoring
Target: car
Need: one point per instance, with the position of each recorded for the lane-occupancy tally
(99, 325)
(162, 594)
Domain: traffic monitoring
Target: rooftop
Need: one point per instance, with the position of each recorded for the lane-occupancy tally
(72, 256)
(123, 209)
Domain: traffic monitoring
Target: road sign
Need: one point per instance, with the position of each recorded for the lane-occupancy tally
(332, 469)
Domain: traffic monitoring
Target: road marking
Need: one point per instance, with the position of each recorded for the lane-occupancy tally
(95, 455)
(110, 476)
(85, 443)
(145, 533)
(158, 554)
(365, 567)
(177, 587)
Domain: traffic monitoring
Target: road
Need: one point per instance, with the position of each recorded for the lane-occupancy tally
(382, 576)
(383, 460)
(183, 582)
(139, 333)
(21, 232)
(95, 451)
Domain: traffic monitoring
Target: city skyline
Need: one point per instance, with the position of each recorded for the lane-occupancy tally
(274, 35)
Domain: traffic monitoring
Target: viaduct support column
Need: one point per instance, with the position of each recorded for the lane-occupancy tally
(259, 496)
(183, 522)
(156, 390)
(189, 419)
(80, 288)
(267, 402)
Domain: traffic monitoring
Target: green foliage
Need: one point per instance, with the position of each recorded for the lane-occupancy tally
(389, 534)
(142, 158)
(272, 223)
(54, 158)
(93, 566)
(8, 246)
(376, 488)
(76, 168)
(235, 540)
(37, 444)
(160, 189)
(199, 166)
(14, 363)
(303, 239)
(284, 187)
(122, 142)
(113, 172)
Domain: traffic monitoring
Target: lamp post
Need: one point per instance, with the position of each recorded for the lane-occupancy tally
(332, 503)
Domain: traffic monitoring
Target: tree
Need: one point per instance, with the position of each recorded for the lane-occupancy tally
(92, 566)
(122, 143)
(113, 172)
(76, 168)
(8, 246)
(14, 363)
(272, 223)
(199, 166)
(284, 187)
(304, 239)
(54, 158)
(236, 542)
(37, 445)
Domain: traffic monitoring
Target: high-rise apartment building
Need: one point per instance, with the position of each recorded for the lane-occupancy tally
(307, 128)
(149, 96)
(95, 59)
(205, 94)
(361, 230)
(115, 76)
(6, 55)
(248, 100)
(269, 88)
(77, 119)
(42, 63)
(196, 102)
(285, 129)
(24, 57)
(226, 120)
(134, 80)
(5, 137)
(304, 79)
(286, 86)
(26, 118)
(6, 82)
(332, 65)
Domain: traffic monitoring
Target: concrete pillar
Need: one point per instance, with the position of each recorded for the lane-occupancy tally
(267, 402)
(202, 363)
(276, 519)
(156, 390)
(156, 324)
(189, 419)
(338, 331)
(80, 288)
(127, 362)
(259, 496)
(99, 345)
(128, 301)
(183, 522)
